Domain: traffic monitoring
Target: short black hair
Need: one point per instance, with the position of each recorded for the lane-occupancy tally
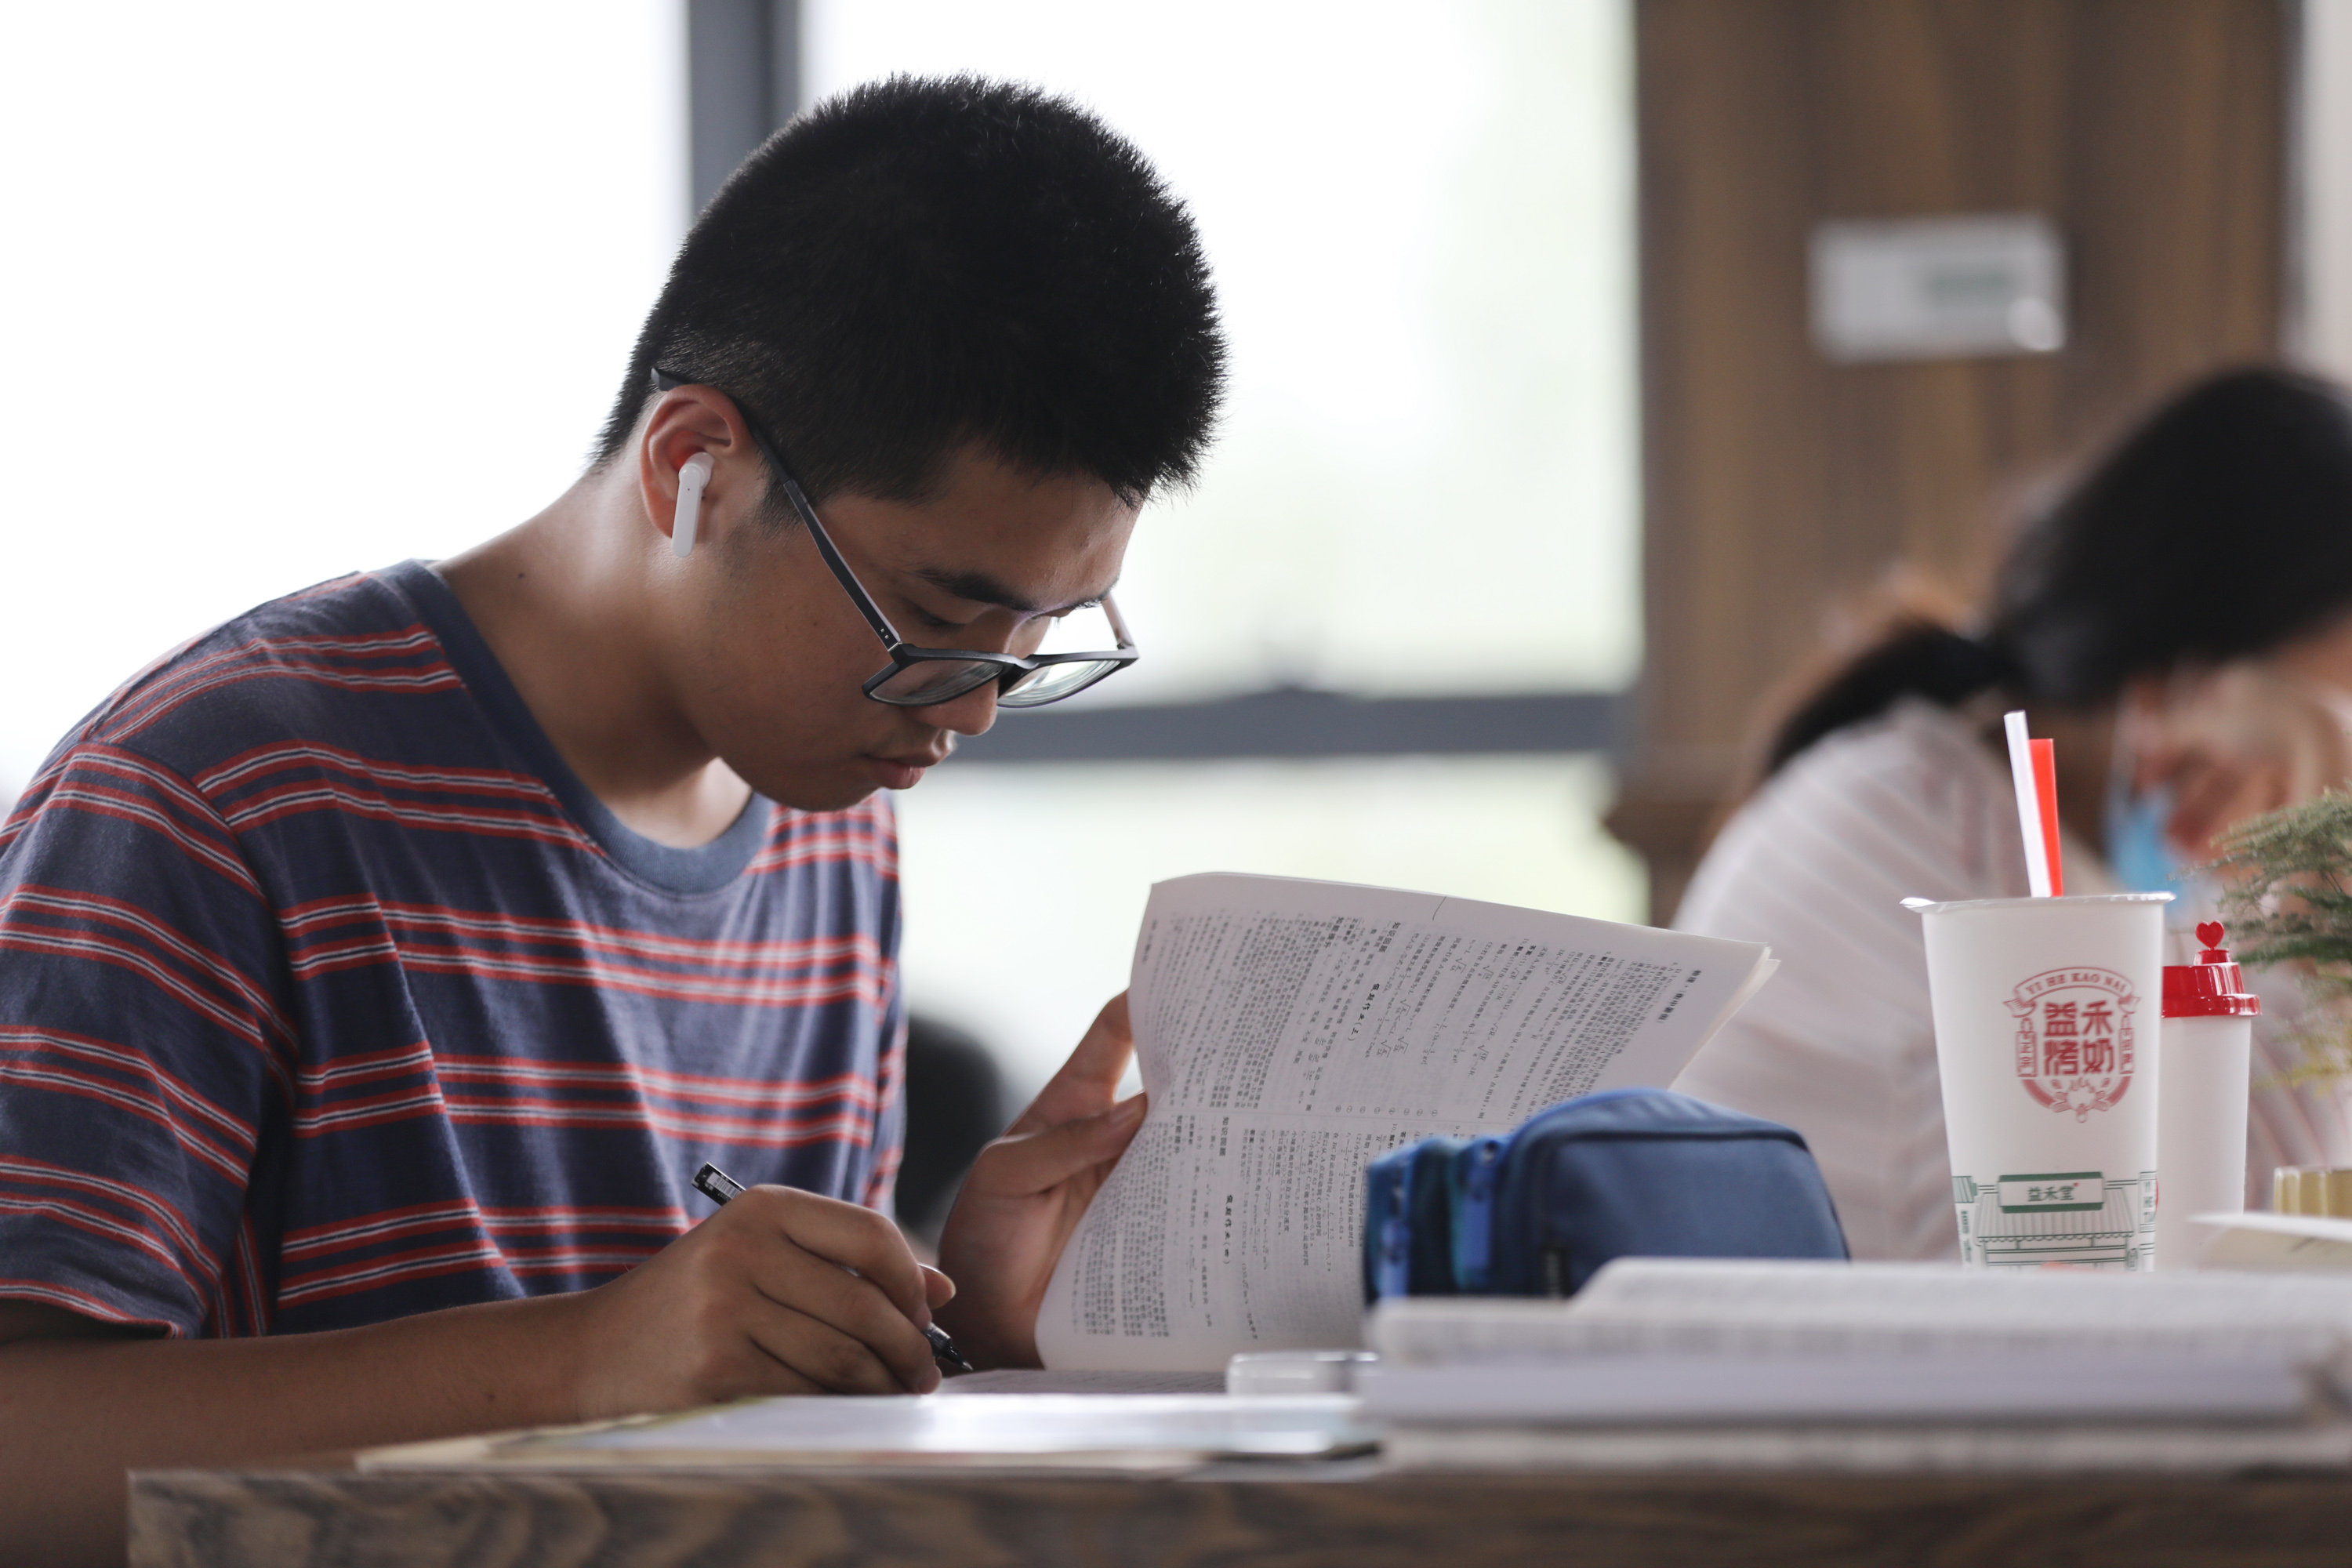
(919, 264)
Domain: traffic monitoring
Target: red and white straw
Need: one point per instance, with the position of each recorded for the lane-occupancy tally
(2033, 769)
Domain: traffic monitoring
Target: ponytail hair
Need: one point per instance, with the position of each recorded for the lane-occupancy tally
(1914, 658)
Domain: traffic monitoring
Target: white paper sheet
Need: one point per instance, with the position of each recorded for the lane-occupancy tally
(1094, 1430)
(2268, 1242)
(1290, 1031)
(1030, 1379)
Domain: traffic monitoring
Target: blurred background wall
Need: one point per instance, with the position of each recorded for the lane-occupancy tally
(1536, 473)
(2153, 138)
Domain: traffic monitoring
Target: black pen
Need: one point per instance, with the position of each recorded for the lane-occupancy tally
(719, 1186)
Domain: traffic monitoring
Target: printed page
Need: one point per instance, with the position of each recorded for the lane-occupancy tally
(1288, 1032)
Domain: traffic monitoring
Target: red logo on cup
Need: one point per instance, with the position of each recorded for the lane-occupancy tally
(2074, 1041)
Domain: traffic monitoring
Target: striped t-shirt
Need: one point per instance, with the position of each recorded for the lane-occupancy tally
(328, 994)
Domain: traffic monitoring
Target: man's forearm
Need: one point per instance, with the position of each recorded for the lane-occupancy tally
(76, 1414)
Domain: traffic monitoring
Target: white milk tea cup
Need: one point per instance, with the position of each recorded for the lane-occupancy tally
(2047, 1012)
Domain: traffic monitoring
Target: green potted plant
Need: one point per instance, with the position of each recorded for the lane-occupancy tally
(2288, 876)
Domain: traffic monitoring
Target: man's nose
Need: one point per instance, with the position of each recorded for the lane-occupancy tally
(970, 714)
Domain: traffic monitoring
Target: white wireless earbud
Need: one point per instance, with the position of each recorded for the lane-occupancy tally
(692, 475)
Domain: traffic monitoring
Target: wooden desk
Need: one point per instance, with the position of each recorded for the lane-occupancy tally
(776, 1519)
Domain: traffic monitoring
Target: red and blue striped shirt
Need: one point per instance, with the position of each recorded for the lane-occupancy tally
(328, 994)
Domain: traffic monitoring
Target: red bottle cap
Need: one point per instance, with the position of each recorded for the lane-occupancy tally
(2212, 987)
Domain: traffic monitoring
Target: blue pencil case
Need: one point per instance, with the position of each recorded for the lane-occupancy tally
(1642, 1172)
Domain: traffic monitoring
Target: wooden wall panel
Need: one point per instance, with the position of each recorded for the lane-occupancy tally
(1778, 485)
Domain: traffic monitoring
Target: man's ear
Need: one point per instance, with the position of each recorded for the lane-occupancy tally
(687, 423)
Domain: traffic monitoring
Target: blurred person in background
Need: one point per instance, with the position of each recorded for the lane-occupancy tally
(2180, 623)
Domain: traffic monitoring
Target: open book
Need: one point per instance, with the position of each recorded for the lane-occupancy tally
(1290, 1031)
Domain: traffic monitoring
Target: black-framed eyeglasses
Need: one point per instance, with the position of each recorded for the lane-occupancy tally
(924, 676)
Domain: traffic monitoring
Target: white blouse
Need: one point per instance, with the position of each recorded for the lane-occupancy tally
(1839, 1044)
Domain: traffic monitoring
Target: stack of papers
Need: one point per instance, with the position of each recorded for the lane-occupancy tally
(1689, 1362)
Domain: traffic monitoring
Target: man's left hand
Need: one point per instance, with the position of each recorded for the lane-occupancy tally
(1027, 1192)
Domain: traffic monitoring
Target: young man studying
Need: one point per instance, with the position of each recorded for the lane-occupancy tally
(376, 970)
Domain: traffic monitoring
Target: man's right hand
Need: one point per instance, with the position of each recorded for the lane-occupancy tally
(759, 1299)
(756, 1299)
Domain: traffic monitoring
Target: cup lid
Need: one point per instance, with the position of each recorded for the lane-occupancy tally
(1930, 907)
(2213, 986)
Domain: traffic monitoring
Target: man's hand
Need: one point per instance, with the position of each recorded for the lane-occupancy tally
(1027, 1191)
(758, 1299)
(755, 1300)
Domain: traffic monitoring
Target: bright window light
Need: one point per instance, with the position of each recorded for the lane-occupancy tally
(295, 290)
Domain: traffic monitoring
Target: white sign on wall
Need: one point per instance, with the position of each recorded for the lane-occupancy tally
(1940, 288)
